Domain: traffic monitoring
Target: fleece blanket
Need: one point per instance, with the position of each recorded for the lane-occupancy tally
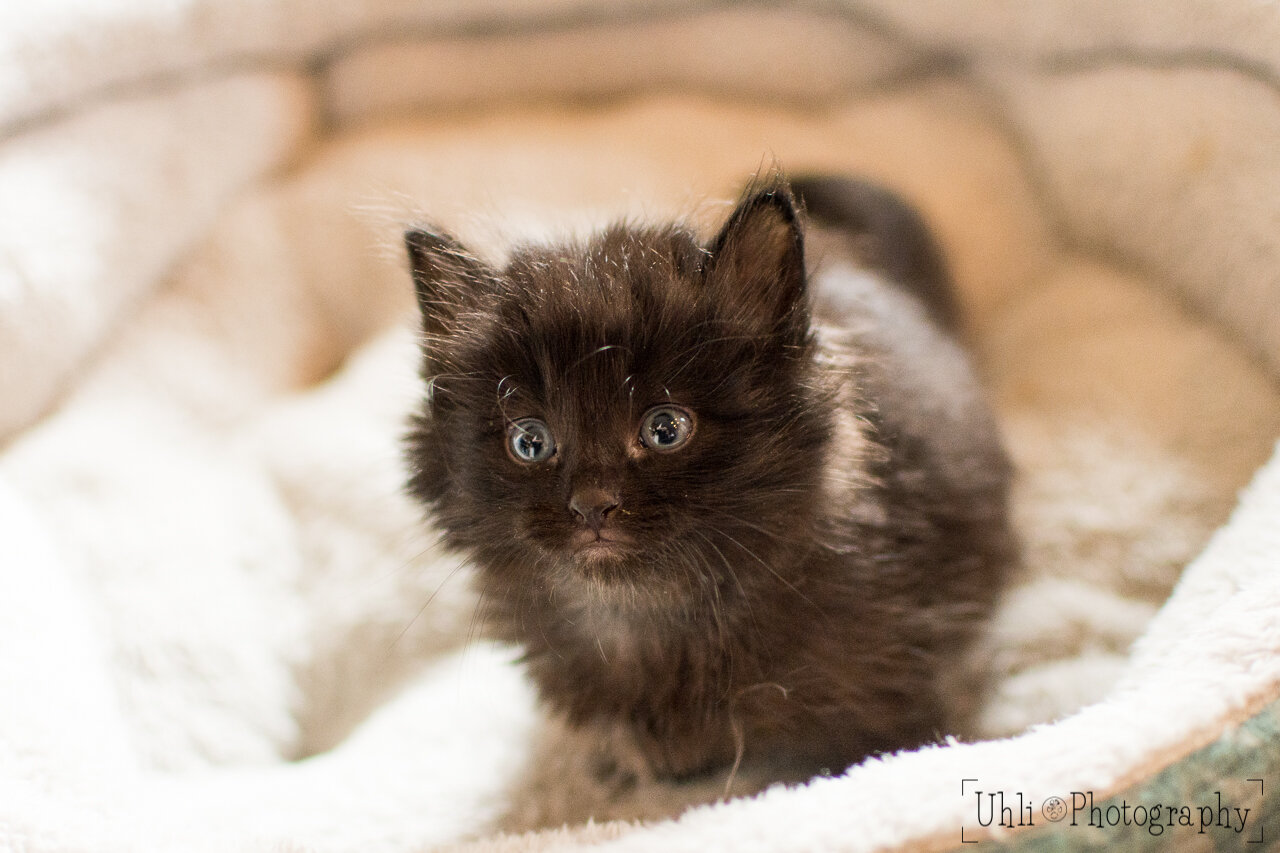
(224, 627)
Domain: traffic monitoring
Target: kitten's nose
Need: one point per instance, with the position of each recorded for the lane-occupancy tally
(592, 506)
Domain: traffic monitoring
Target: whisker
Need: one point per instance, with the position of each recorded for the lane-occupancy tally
(423, 609)
(598, 351)
(717, 607)
(693, 351)
(503, 397)
(478, 613)
(771, 569)
(739, 747)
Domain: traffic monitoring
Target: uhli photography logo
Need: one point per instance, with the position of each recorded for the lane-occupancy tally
(991, 807)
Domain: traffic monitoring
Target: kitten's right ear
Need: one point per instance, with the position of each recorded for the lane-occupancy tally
(446, 277)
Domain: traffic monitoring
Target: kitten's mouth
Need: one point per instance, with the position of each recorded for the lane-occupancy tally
(599, 544)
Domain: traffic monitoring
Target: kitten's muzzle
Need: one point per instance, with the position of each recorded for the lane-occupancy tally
(597, 534)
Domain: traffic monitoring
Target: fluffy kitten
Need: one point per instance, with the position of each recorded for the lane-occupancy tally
(734, 533)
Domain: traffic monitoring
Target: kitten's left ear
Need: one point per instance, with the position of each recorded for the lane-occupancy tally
(446, 277)
(757, 260)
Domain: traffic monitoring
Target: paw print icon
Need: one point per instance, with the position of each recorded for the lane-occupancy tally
(1054, 809)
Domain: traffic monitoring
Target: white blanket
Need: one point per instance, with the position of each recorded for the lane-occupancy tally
(223, 626)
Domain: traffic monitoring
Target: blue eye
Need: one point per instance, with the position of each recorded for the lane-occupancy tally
(666, 428)
(530, 440)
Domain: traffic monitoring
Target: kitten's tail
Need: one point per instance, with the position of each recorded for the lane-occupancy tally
(884, 233)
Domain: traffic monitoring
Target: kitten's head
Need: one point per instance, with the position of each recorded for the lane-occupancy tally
(640, 414)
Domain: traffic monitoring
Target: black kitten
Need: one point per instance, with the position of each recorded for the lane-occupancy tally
(734, 533)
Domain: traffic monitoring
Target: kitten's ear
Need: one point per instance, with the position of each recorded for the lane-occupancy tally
(446, 277)
(757, 259)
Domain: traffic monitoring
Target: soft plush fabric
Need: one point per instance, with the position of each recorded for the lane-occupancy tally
(222, 624)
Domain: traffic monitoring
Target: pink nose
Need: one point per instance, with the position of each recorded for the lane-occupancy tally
(591, 506)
